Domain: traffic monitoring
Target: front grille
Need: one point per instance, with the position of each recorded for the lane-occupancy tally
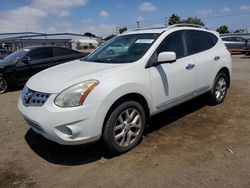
(33, 98)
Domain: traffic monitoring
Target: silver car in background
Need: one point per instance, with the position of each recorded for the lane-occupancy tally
(237, 44)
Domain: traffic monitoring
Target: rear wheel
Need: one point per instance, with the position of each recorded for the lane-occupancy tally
(3, 84)
(219, 90)
(124, 127)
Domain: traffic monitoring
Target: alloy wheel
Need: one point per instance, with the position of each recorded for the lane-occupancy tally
(3, 85)
(220, 88)
(127, 127)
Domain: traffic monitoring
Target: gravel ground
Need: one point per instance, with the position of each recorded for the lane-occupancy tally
(192, 145)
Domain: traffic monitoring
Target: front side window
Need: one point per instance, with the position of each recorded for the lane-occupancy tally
(41, 53)
(17, 54)
(174, 42)
(123, 49)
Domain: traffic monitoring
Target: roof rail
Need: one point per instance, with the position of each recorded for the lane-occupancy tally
(186, 25)
(174, 26)
(139, 29)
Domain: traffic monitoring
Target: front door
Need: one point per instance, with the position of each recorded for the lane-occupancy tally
(173, 83)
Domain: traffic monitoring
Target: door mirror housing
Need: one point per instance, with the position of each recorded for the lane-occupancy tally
(26, 59)
(166, 57)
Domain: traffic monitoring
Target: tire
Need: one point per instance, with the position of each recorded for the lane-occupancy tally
(124, 127)
(3, 84)
(219, 90)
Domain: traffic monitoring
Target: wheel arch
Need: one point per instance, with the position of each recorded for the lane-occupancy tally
(129, 96)
(226, 71)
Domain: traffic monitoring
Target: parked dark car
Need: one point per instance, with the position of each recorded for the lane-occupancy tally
(237, 44)
(4, 53)
(18, 67)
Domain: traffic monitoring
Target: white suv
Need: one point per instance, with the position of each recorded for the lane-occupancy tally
(111, 95)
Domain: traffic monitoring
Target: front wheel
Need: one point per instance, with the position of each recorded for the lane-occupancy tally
(124, 127)
(3, 84)
(219, 90)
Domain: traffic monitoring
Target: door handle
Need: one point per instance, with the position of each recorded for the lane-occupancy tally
(216, 58)
(190, 66)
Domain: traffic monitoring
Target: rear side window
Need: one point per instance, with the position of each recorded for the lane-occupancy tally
(200, 41)
(174, 42)
(63, 52)
(239, 39)
(41, 53)
(225, 39)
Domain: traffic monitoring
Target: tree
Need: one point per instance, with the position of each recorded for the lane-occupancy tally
(174, 19)
(222, 29)
(193, 20)
(109, 37)
(123, 29)
(88, 34)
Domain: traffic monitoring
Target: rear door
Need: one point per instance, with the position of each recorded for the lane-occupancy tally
(172, 83)
(63, 55)
(241, 43)
(235, 43)
(205, 56)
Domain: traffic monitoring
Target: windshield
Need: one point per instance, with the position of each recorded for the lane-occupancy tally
(123, 49)
(17, 54)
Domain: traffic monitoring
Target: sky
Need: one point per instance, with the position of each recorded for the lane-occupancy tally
(103, 17)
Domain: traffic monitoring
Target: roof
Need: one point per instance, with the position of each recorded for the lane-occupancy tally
(33, 35)
(20, 34)
(162, 29)
(41, 46)
(87, 41)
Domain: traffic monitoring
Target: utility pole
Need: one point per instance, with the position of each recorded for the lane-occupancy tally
(138, 24)
(166, 21)
(117, 30)
(26, 28)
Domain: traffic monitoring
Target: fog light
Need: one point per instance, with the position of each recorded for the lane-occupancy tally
(68, 131)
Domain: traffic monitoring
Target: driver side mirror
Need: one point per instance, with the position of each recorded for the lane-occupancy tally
(166, 57)
(26, 59)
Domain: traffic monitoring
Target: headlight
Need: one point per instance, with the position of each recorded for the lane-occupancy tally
(76, 94)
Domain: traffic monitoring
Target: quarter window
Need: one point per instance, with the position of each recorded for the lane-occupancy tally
(63, 52)
(212, 38)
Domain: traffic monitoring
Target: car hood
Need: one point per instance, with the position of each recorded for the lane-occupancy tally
(4, 63)
(58, 78)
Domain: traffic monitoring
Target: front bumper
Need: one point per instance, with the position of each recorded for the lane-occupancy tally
(66, 126)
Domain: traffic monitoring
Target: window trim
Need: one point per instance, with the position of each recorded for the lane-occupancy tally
(186, 35)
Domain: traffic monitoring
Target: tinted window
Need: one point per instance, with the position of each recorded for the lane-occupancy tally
(175, 42)
(200, 41)
(226, 39)
(41, 53)
(63, 51)
(17, 54)
(239, 39)
(213, 39)
(233, 39)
